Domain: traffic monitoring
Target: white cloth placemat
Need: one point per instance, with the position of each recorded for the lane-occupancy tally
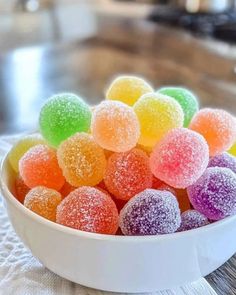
(22, 274)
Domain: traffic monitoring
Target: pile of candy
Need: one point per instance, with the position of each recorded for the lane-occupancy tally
(139, 163)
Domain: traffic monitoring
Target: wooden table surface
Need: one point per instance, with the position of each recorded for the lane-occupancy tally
(163, 56)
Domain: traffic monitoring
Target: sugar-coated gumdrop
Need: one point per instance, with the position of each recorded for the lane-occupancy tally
(151, 212)
(89, 209)
(39, 167)
(223, 160)
(191, 219)
(62, 116)
(115, 126)
(128, 89)
(232, 150)
(82, 160)
(214, 193)
(43, 201)
(21, 147)
(128, 174)
(185, 98)
(180, 194)
(157, 115)
(180, 158)
(66, 189)
(217, 126)
(21, 189)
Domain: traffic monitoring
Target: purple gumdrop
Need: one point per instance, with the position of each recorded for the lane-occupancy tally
(214, 193)
(224, 160)
(150, 212)
(191, 219)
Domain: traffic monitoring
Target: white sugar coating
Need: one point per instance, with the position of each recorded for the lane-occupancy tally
(157, 114)
(150, 212)
(128, 173)
(180, 158)
(115, 126)
(62, 116)
(223, 160)
(217, 126)
(43, 201)
(214, 193)
(21, 147)
(88, 209)
(191, 219)
(82, 160)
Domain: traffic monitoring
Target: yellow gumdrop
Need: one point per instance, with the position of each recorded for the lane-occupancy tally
(232, 150)
(21, 147)
(157, 115)
(128, 89)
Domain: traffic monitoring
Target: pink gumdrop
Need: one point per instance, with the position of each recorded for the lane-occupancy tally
(180, 158)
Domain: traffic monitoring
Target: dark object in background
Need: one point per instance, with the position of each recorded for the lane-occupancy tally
(218, 25)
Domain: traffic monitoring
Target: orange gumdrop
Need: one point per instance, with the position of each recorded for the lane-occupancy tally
(39, 167)
(21, 189)
(89, 209)
(43, 201)
(217, 126)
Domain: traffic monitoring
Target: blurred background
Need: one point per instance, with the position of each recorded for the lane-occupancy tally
(49, 46)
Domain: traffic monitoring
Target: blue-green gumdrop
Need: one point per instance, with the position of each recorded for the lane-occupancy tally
(62, 116)
(185, 98)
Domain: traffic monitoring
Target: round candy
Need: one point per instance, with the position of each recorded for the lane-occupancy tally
(115, 126)
(185, 98)
(128, 174)
(180, 194)
(82, 160)
(214, 193)
(217, 126)
(21, 189)
(66, 189)
(151, 212)
(21, 147)
(180, 158)
(43, 201)
(232, 150)
(62, 116)
(89, 209)
(224, 160)
(128, 89)
(191, 219)
(39, 167)
(157, 115)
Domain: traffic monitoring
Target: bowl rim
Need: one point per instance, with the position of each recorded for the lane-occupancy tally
(7, 195)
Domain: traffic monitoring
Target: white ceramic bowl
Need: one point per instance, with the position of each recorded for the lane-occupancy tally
(118, 263)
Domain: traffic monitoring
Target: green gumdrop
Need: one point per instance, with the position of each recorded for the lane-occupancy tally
(62, 116)
(185, 98)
